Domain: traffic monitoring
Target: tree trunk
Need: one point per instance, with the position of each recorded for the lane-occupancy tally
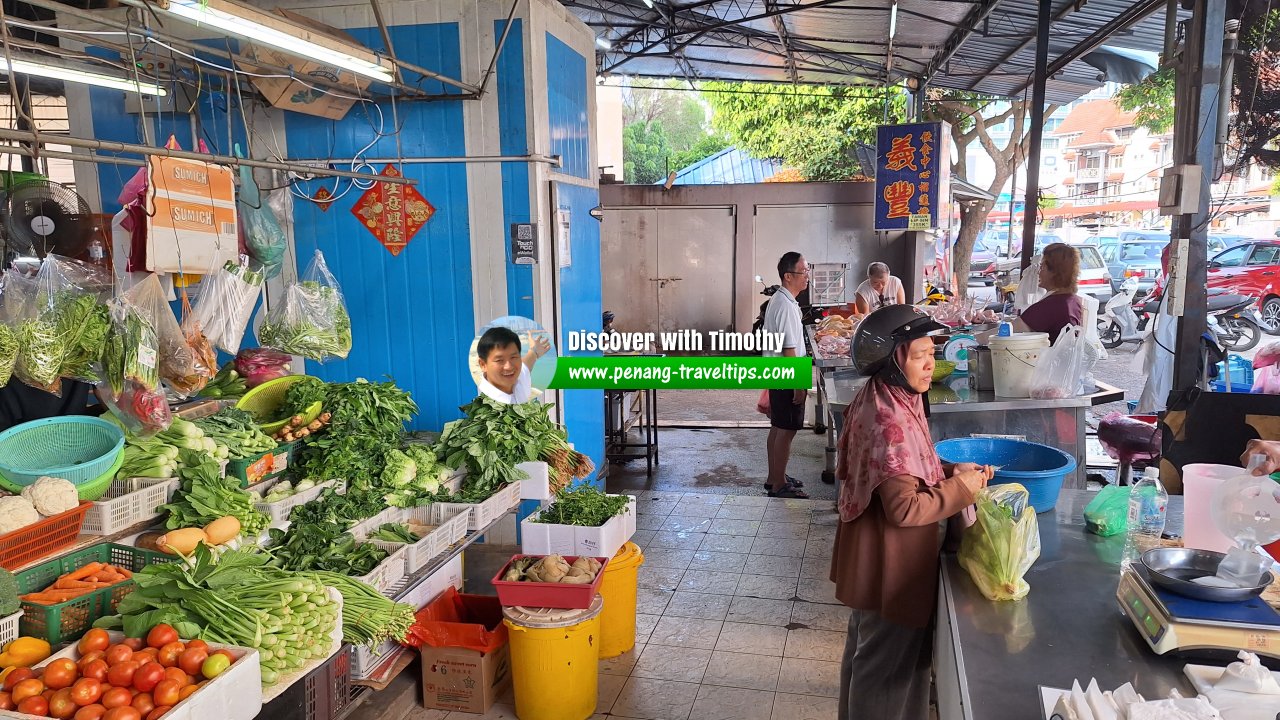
(972, 218)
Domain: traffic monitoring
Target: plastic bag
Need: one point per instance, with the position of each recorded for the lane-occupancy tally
(1003, 544)
(1267, 356)
(1029, 291)
(204, 358)
(62, 330)
(1107, 513)
(1266, 381)
(312, 320)
(130, 371)
(1057, 374)
(473, 622)
(226, 299)
(263, 238)
(176, 361)
(17, 291)
(259, 365)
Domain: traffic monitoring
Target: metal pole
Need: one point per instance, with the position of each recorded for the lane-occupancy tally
(1031, 203)
(497, 50)
(552, 160)
(1195, 137)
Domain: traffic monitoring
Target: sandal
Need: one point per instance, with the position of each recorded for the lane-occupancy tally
(790, 481)
(790, 492)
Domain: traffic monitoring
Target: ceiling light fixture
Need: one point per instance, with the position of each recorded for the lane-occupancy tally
(70, 72)
(893, 20)
(250, 23)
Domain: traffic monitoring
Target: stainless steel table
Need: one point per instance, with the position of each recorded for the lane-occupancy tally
(991, 657)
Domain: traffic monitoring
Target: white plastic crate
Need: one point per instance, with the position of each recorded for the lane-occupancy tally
(279, 510)
(448, 532)
(481, 513)
(389, 572)
(368, 526)
(9, 628)
(127, 503)
(365, 660)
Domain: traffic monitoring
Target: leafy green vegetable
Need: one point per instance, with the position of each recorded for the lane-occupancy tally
(84, 324)
(584, 506)
(205, 496)
(39, 361)
(132, 351)
(8, 353)
(313, 323)
(300, 396)
(323, 547)
(395, 533)
(368, 422)
(236, 430)
(1003, 544)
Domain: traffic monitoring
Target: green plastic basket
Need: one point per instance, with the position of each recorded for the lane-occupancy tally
(69, 620)
(263, 401)
(78, 448)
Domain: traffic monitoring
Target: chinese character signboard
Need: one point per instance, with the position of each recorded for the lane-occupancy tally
(393, 213)
(913, 174)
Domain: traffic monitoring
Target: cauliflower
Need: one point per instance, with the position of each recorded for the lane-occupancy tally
(52, 496)
(16, 513)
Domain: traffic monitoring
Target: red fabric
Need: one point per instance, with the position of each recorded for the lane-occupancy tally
(885, 436)
(1053, 313)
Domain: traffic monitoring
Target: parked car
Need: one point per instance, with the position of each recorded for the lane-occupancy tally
(1138, 259)
(1217, 242)
(1095, 278)
(987, 249)
(1252, 268)
(1115, 236)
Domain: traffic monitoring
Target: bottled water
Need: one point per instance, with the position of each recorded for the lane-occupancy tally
(1148, 502)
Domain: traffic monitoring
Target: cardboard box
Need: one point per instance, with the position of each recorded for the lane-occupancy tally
(544, 539)
(473, 666)
(289, 94)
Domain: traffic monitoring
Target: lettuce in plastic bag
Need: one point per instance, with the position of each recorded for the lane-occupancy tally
(1003, 544)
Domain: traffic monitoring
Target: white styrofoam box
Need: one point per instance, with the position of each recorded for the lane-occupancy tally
(365, 660)
(236, 694)
(389, 572)
(125, 505)
(538, 485)
(604, 541)
(449, 575)
(279, 510)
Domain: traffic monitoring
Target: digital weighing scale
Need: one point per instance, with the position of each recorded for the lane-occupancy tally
(1172, 623)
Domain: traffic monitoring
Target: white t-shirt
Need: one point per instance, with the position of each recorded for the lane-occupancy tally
(873, 299)
(519, 394)
(783, 316)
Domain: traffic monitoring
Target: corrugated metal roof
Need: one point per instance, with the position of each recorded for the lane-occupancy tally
(730, 166)
(981, 45)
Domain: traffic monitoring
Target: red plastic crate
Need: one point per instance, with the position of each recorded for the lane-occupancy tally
(547, 595)
(26, 545)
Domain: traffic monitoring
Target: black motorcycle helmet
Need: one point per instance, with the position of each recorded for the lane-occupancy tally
(879, 335)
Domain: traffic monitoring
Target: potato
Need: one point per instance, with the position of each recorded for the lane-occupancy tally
(182, 542)
(224, 529)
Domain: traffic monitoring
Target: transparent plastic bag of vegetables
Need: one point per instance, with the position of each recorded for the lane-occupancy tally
(1003, 544)
(312, 320)
(225, 301)
(130, 385)
(62, 332)
(17, 292)
(176, 362)
(204, 358)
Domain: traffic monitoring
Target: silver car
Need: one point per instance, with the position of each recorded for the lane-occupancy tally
(1139, 260)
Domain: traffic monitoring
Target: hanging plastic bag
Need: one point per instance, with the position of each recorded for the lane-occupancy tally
(312, 320)
(259, 365)
(1266, 381)
(1107, 513)
(17, 291)
(130, 371)
(226, 300)
(62, 330)
(1029, 291)
(204, 358)
(264, 240)
(1057, 374)
(176, 359)
(1003, 544)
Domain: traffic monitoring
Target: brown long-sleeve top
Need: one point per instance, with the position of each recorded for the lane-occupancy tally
(886, 559)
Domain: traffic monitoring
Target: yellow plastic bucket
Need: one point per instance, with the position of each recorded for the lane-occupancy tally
(554, 661)
(618, 588)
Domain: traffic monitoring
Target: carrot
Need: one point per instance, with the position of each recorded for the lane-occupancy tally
(125, 572)
(65, 584)
(84, 572)
(108, 576)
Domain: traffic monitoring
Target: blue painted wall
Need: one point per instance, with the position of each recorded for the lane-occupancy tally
(567, 98)
(411, 315)
(513, 134)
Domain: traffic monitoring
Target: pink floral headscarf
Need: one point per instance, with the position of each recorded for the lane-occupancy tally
(885, 435)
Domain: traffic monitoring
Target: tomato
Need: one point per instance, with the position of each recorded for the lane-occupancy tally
(161, 635)
(167, 693)
(178, 676)
(60, 673)
(34, 705)
(188, 691)
(86, 691)
(96, 670)
(117, 697)
(214, 666)
(122, 713)
(47, 694)
(90, 657)
(143, 703)
(16, 676)
(61, 706)
(117, 654)
(225, 653)
(96, 639)
(191, 659)
(25, 689)
(198, 643)
(147, 677)
(146, 655)
(6, 702)
(158, 712)
(90, 712)
(122, 675)
(168, 655)
(134, 644)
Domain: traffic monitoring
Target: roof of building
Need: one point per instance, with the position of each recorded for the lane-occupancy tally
(1091, 123)
(730, 166)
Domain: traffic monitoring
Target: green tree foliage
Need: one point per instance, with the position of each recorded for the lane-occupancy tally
(814, 129)
(706, 147)
(1152, 100)
(644, 151)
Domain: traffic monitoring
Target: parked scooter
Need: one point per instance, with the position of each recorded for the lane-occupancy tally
(1233, 318)
(1118, 323)
(808, 314)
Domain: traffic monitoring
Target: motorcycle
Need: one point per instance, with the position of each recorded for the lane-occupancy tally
(808, 314)
(1119, 323)
(1237, 325)
(1233, 318)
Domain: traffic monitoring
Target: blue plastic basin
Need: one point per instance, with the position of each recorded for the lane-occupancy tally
(1039, 468)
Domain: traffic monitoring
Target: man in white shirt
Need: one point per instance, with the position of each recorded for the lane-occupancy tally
(786, 407)
(506, 373)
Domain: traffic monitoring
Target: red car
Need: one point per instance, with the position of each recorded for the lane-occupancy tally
(1252, 269)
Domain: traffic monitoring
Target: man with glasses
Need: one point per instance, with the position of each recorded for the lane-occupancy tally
(786, 407)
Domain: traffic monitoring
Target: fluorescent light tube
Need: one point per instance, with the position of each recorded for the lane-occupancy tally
(604, 43)
(252, 24)
(893, 20)
(649, 3)
(60, 71)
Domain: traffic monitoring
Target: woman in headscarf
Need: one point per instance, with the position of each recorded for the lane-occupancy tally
(894, 494)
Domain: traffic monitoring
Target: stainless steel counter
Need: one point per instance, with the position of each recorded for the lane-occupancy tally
(990, 657)
(841, 388)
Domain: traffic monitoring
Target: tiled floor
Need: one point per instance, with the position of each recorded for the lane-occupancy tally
(736, 617)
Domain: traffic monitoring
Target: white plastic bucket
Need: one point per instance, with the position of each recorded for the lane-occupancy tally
(1014, 361)
(1198, 483)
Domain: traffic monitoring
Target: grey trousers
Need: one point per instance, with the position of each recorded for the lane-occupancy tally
(885, 672)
